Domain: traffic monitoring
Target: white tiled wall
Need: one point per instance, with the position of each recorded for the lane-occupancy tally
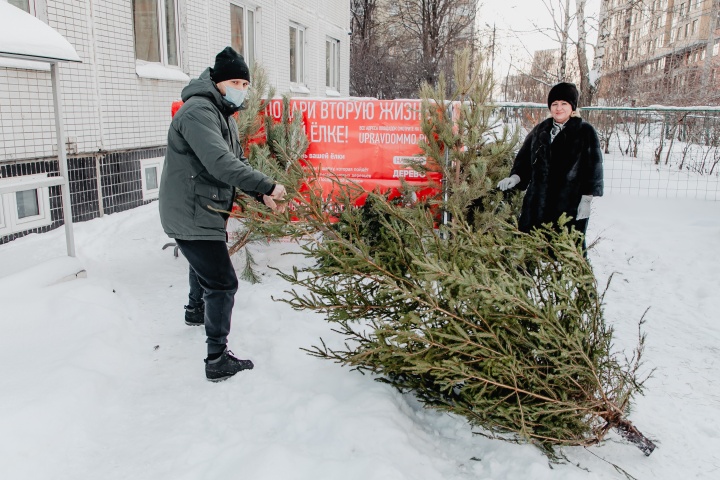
(196, 38)
(108, 107)
(321, 19)
(134, 111)
(27, 125)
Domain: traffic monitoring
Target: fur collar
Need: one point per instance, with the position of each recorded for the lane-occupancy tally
(573, 123)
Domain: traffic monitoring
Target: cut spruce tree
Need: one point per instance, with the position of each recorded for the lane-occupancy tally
(445, 298)
(275, 148)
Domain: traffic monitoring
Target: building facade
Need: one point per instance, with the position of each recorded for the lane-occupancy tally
(137, 55)
(659, 52)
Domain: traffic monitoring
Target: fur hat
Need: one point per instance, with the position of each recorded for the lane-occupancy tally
(229, 65)
(564, 91)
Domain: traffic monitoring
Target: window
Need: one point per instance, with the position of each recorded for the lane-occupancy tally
(150, 173)
(297, 54)
(156, 31)
(25, 209)
(27, 204)
(332, 64)
(242, 31)
(151, 178)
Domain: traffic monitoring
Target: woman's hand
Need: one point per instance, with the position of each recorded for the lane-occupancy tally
(584, 207)
(508, 183)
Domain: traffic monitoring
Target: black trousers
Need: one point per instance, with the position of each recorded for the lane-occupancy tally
(213, 282)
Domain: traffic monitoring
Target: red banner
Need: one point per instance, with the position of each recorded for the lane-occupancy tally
(369, 142)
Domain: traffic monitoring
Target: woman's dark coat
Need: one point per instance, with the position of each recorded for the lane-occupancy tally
(556, 175)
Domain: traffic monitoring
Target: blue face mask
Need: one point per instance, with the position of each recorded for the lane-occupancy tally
(234, 95)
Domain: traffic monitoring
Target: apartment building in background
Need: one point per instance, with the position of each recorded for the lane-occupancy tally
(659, 52)
(137, 55)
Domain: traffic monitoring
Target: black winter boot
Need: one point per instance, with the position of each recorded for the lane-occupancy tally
(225, 366)
(195, 317)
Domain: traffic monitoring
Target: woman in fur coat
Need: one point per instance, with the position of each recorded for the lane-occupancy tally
(559, 165)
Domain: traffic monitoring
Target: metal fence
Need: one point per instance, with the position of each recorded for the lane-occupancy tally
(658, 152)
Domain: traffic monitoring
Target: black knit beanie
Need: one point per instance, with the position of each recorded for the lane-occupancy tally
(564, 91)
(229, 65)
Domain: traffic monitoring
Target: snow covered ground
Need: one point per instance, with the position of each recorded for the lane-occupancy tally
(101, 378)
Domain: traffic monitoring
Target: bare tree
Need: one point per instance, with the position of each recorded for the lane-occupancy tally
(398, 44)
(564, 35)
(533, 86)
(563, 18)
(708, 65)
(374, 67)
(363, 31)
(438, 28)
(586, 87)
(559, 12)
(599, 59)
(364, 20)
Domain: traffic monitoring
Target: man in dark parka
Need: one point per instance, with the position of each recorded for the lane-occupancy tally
(204, 166)
(559, 165)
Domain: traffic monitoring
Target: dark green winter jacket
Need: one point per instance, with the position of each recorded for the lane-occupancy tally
(203, 165)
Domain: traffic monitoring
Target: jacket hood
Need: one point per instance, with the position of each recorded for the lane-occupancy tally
(203, 86)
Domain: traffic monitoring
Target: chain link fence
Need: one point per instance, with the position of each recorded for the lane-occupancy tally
(656, 152)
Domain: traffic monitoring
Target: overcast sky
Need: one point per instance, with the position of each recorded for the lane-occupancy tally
(516, 29)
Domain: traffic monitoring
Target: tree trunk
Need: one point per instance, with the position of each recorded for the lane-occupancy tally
(708, 64)
(586, 93)
(603, 36)
(628, 431)
(564, 34)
